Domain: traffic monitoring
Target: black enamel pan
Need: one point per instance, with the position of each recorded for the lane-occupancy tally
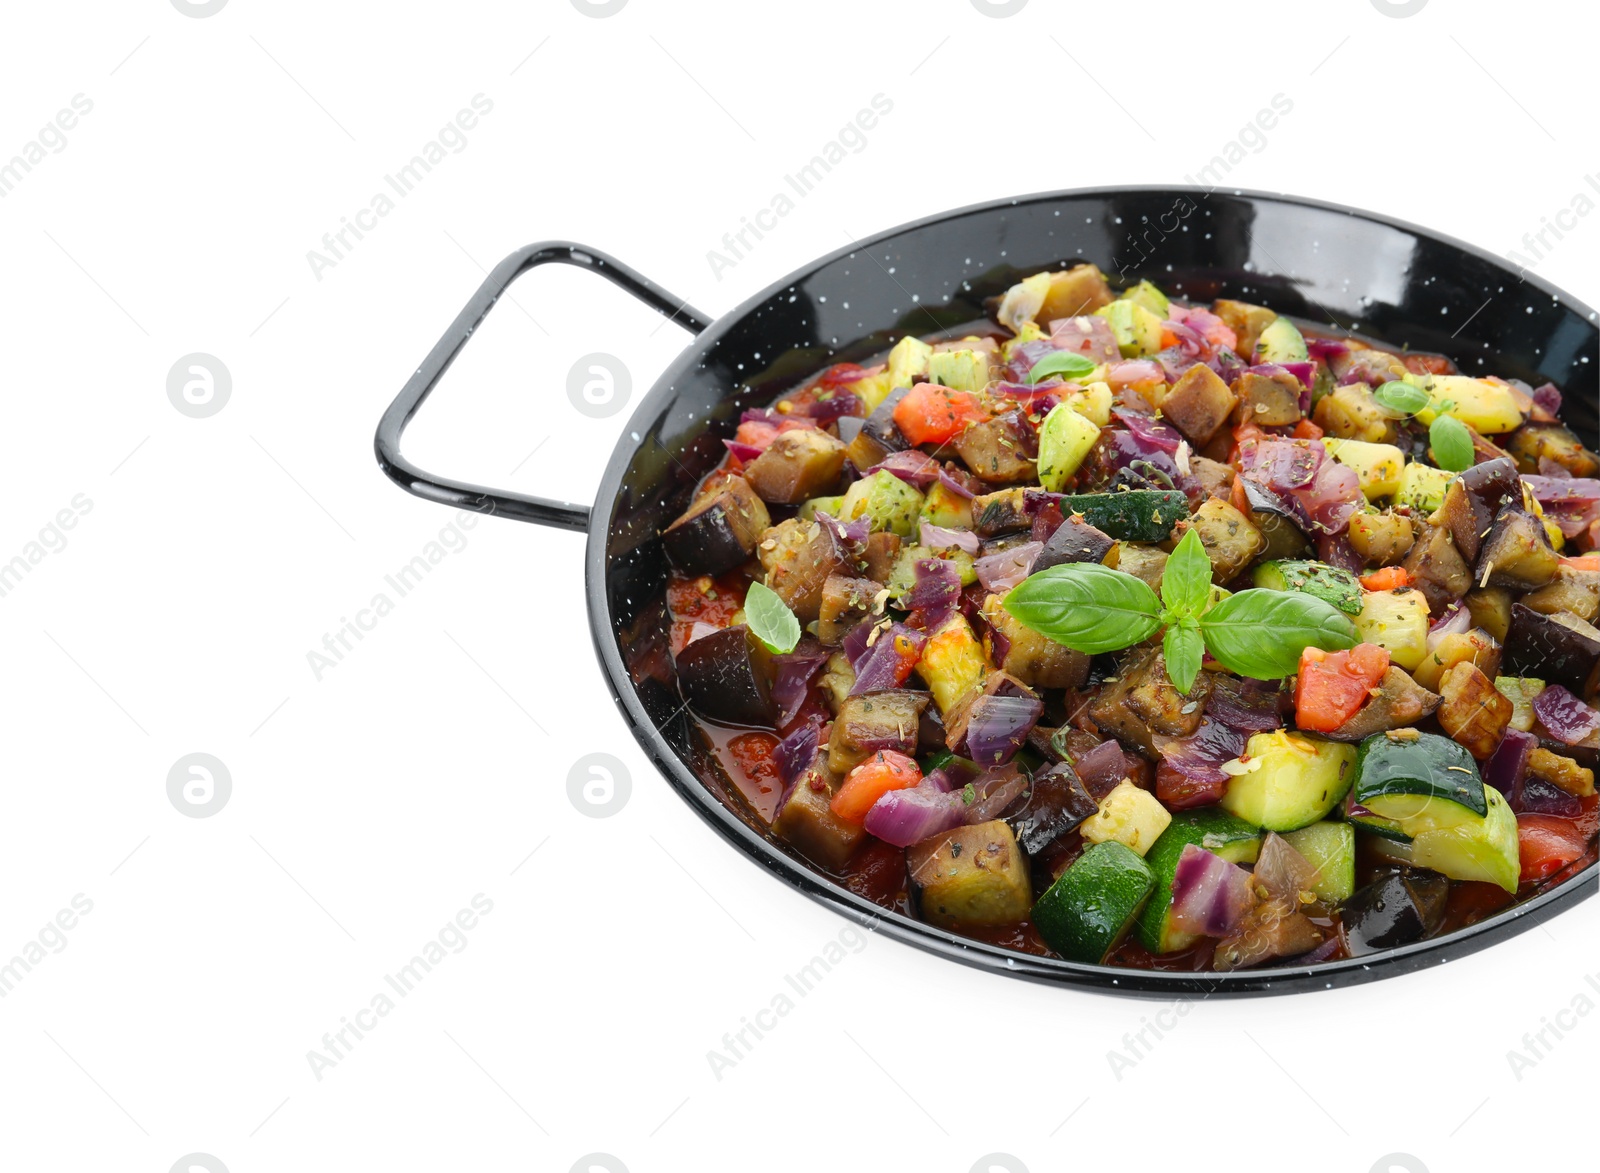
(1354, 270)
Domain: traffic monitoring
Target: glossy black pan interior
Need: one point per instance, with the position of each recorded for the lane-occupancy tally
(1355, 271)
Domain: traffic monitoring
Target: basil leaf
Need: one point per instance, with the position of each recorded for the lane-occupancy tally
(1261, 633)
(1086, 607)
(1401, 397)
(770, 619)
(1451, 444)
(1186, 581)
(1184, 650)
(1068, 363)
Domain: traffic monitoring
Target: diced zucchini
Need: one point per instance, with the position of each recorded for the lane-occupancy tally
(828, 505)
(971, 876)
(1422, 486)
(963, 370)
(1288, 780)
(1317, 579)
(873, 389)
(1520, 691)
(1020, 306)
(1209, 827)
(1230, 539)
(1133, 817)
(1396, 621)
(1148, 296)
(1137, 330)
(1087, 910)
(1331, 849)
(1281, 342)
(889, 502)
(1419, 781)
(1065, 438)
(1487, 408)
(952, 663)
(943, 506)
(908, 361)
(1379, 466)
(1092, 401)
(1381, 538)
(1477, 849)
(1141, 515)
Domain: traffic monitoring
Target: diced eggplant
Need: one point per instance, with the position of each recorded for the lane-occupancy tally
(1269, 401)
(1004, 707)
(1229, 538)
(807, 823)
(971, 877)
(875, 721)
(1032, 658)
(727, 676)
(1215, 477)
(878, 436)
(1245, 320)
(845, 602)
(1081, 289)
(1271, 931)
(1490, 608)
(1573, 591)
(1531, 442)
(1059, 801)
(1476, 647)
(1199, 404)
(1560, 649)
(1517, 553)
(1277, 525)
(1143, 701)
(798, 557)
(719, 530)
(1474, 499)
(883, 551)
(1075, 540)
(1351, 413)
(1393, 911)
(1145, 563)
(1438, 569)
(1400, 703)
(1002, 450)
(1000, 513)
(1366, 364)
(1561, 771)
(796, 466)
(1473, 711)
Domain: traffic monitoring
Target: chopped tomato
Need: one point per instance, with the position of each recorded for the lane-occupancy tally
(1306, 430)
(1390, 578)
(841, 373)
(1586, 562)
(931, 414)
(871, 780)
(1548, 843)
(1168, 339)
(1332, 686)
(1428, 364)
(756, 433)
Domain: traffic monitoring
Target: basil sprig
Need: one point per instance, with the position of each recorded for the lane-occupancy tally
(770, 620)
(1067, 363)
(1257, 633)
(1401, 398)
(1451, 444)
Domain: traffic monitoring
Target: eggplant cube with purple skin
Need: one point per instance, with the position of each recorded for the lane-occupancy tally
(798, 557)
(796, 466)
(719, 531)
(971, 877)
(727, 676)
(991, 724)
(872, 722)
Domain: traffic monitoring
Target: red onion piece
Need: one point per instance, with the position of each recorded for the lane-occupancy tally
(935, 593)
(1283, 871)
(888, 659)
(1548, 396)
(1101, 768)
(1455, 620)
(1000, 572)
(745, 452)
(998, 727)
(1568, 719)
(1539, 797)
(1149, 430)
(1507, 768)
(938, 537)
(1088, 335)
(838, 404)
(1133, 371)
(904, 817)
(993, 791)
(794, 755)
(1210, 896)
(913, 467)
(792, 676)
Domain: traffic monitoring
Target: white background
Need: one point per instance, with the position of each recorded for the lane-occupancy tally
(369, 805)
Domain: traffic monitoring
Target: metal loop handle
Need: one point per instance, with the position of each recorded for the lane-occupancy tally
(463, 494)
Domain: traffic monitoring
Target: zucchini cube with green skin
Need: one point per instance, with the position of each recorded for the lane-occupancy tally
(971, 876)
(888, 502)
(1332, 585)
(1140, 515)
(908, 361)
(1128, 815)
(1286, 781)
(1478, 849)
(1520, 691)
(1065, 438)
(1150, 297)
(943, 506)
(1422, 486)
(1137, 330)
(1093, 904)
(1419, 781)
(961, 370)
(1331, 849)
(1215, 830)
(1281, 342)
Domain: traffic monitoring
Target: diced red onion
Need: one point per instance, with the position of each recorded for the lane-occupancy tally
(1573, 503)
(745, 452)
(958, 482)
(993, 791)
(938, 537)
(795, 753)
(1189, 339)
(1101, 768)
(1210, 896)
(913, 467)
(1201, 755)
(792, 676)
(1024, 357)
(838, 404)
(1455, 620)
(882, 664)
(1281, 465)
(904, 817)
(1568, 719)
(1507, 767)
(850, 536)
(935, 592)
(1323, 952)
(1151, 431)
(1283, 871)
(1088, 335)
(1324, 348)
(1548, 396)
(1032, 395)
(998, 727)
(1539, 797)
(1133, 371)
(1000, 572)
(1250, 706)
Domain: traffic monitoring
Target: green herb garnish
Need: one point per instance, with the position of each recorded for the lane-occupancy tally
(1451, 444)
(1403, 398)
(770, 620)
(1067, 363)
(1257, 633)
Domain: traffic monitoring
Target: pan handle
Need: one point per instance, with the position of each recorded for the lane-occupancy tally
(461, 494)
